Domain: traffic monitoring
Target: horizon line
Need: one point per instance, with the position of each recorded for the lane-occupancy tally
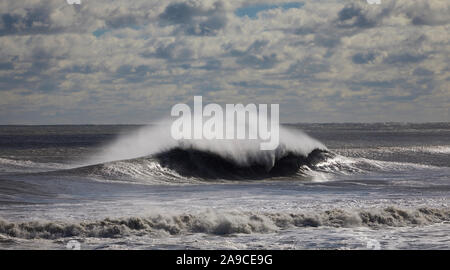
(285, 123)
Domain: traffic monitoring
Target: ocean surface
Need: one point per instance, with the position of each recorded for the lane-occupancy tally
(328, 186)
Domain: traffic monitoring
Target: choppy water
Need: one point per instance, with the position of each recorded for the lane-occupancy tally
(366, 186)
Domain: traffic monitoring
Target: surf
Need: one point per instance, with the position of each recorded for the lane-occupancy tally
(225, 223)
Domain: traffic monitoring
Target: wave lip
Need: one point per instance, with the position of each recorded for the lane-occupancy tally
(227, 223)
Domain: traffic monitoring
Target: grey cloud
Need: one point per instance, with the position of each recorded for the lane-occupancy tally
(379, 84)
(307, 68)
(257, 85)
(46, 83)
(404, 58)
(258, 62)
(354, 16)
(42, 59)
(327, 40)
(82, 69)
(429, 20)
(422, 72)
(410, 89)
(166, 52)
(134, 74)
(305, 30)
(47, 86)
(180, 13)
(123, 17)
(363, 58)
(254, 56)
(425, 13)
(121, 21)
(35, 20)
(212, 64)
(209, 27)
(176, 51)
(6, 66)
(257, 46)
(194, 19)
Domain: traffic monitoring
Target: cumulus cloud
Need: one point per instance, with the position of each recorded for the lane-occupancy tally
(129, 61)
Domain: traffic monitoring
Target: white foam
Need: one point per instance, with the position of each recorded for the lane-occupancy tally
(18, 165)
(438, 149)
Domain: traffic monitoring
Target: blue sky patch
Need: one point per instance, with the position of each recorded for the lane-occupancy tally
(253, 10)
(100, 32)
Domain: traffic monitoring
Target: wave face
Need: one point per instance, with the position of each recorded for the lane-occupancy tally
(195, 163)
(227, 223)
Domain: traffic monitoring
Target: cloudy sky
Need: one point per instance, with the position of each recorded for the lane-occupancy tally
(129, 61)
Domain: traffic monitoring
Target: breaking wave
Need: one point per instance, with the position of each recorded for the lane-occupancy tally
(152, 140)
(151, 153)
(227, 223)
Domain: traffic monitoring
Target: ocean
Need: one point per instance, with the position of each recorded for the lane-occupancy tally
(328, 186)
